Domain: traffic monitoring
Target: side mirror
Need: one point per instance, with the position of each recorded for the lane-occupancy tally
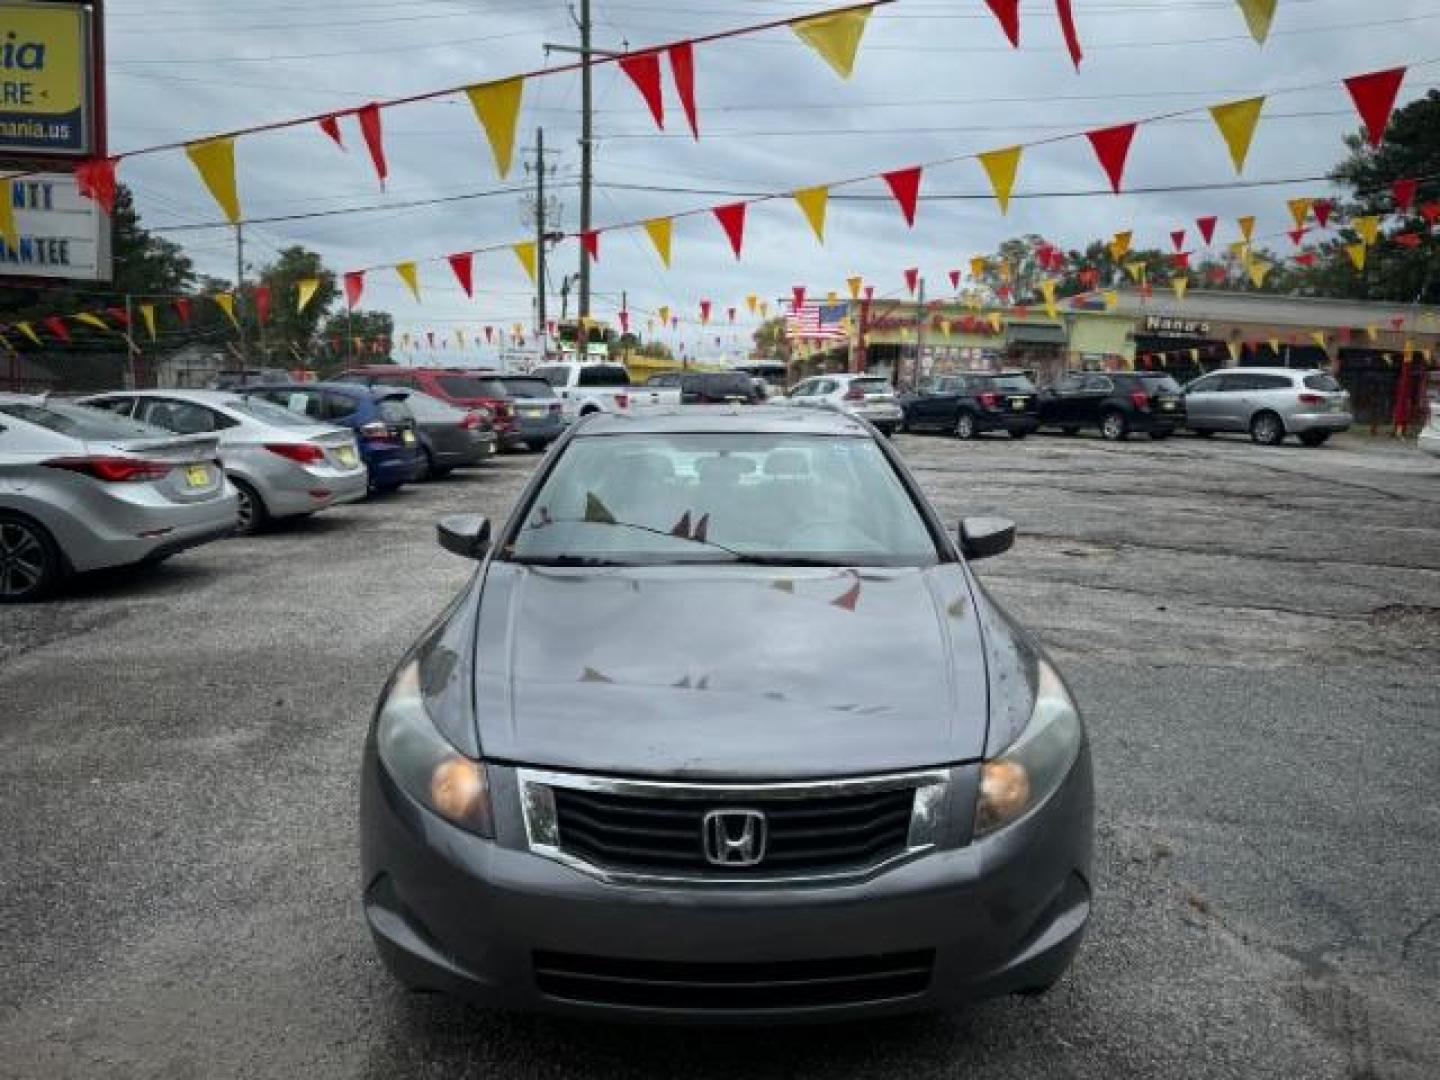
(985, 537)
(466, 535)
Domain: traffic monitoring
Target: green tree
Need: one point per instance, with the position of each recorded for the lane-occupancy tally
(770, 338)
(359, 337)
(289, 333)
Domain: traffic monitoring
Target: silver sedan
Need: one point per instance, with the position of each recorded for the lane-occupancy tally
(282, 464)
(80, 490)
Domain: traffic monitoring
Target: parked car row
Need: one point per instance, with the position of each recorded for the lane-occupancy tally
(133, 477)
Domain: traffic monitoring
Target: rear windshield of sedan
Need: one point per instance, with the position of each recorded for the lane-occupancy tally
(529, 388)
(469, 386)
(269, 412)
(872, 386)
(1011, 384)
(1323, 383)
(679, 498)
(81, 421)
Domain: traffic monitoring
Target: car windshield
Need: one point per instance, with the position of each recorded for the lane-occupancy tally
(529, 388)
(270, 413)
(603, 375)
(471, 386)
(81, 421)
(778, 499)
(1324, 383)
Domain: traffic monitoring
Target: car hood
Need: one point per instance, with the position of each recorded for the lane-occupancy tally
(734, 672)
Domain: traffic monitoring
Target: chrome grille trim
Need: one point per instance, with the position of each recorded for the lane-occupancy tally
(542, 831)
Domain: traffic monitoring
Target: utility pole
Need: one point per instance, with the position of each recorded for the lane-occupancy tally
(920, 322)
(586, 107)
(540, 239)
(130, 348)
(240, 287)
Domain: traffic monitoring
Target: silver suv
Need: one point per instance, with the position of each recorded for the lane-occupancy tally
(1269, 403)
(870, 397)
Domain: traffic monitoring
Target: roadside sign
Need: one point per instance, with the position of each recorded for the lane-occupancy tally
(47, 55)
(62, 234)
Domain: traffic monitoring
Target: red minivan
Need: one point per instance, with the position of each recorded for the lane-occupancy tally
(465, 388)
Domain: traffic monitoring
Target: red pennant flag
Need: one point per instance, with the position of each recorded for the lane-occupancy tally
(732, 220)
(182, 308)
(1112, 147)
(262, 303)
(1404, 192)
(369, 117)
(57, 327)
(1374, 97)
(1181, 260)
(624, 322)
(489, 334)
(955, 279)
(704, 311)
(1003, 292)
(1022, 311)
(1398, 322)
(644, 71)
(912, 279)
(682, 70)
(354, 286)
(1178, 239)
(550, 326)
(1430, 211)
(1146, 290)
(590, 241)
(1344, 335)
(798, 294)
(869, 293)
(1409, 239)
(1072, 36)
(1206, 225)
(1008, 12)
(1323, 208)
(1297, 236)
(330, 125)
(905, 186)
(119, 314)
(462, 265)
(95, 180)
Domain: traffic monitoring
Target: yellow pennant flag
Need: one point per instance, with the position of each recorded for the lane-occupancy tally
(1136, 270)
(1247, 227)
(995, 321)
(29, 331)
(1001, 166)
(1240, 249)
(835, 37)
(1368, 229)
(1357, 254)
(814, 201)
(1258, 16)
(1112, 300)
(1120, 246)
(1319, 339)
(1047, 290)
(945, 328)
(978, 266)
(1373, 333)
(497, 107)
(1236, 122)
(751, 301)
(659, 230)
(1275, 345)
(1259, 270)
(410, 275)
(1233, 347)
(214, 159)
(1300, 211)
(305, 290)
(832, 297)
(225, 301)
(664, 314)
(8, 232)
(91, 320)
(525, 252)
(1180, 284)
(147, 312)
(855, 284)
(1195, 356)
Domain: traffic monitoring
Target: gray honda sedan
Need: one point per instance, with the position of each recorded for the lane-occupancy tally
(724, 727)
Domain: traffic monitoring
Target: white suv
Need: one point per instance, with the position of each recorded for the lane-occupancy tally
(869, 397)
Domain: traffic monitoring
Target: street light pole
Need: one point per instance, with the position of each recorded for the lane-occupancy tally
(586, 108)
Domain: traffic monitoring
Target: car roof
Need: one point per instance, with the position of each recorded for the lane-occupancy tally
(375, 393)
(1270, 371)
(755, 419)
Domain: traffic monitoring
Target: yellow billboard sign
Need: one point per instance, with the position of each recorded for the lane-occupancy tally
(45, 64)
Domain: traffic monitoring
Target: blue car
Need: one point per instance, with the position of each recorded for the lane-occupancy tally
(383, 424)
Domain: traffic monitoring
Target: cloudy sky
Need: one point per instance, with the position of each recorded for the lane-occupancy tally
(935, 79)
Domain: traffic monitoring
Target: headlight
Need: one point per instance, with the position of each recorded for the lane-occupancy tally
(425, 766)
(1030, 770)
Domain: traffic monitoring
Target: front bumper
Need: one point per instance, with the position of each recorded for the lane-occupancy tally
(490, 922)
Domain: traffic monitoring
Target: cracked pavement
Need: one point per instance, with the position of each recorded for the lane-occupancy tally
(1254, 635)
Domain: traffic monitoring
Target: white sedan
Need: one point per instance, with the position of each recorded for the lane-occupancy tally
(869, 397)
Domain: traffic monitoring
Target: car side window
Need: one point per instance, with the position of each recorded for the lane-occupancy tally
(1069, 384)
(1208, 385)
(1234, 384)
(337, 406)
(1272, 382)
(1098, 384)
(121, 406)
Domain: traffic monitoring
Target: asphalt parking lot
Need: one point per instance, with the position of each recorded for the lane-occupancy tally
(1254, 634)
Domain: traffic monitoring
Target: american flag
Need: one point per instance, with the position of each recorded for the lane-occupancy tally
(818, 322)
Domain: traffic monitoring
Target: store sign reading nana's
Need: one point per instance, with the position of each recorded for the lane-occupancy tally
(1160, 324)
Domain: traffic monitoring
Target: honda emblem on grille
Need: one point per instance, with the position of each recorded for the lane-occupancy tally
(734, 837)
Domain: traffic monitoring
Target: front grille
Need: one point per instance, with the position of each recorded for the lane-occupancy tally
(817, 833)
(785, 984)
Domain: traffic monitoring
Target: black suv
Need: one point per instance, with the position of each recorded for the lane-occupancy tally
(710, 387)
(968, 405)
(1119, 403)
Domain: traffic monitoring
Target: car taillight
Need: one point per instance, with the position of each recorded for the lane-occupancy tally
(1140, 398)
(622, 401)
(114, 470)
(1312, 399)
(989, 400)
(375, 429)
(504, 409)
(304, 453)
(854, 394)
(470, 421)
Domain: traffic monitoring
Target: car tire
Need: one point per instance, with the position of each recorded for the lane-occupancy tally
(1314, 438)
(30, 563)
(1267, 429)
(1018, 435)
(253, 516)
(1160, 436)
(1071, 431)
(965, 427)
(1113, 427)
(439, 472)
